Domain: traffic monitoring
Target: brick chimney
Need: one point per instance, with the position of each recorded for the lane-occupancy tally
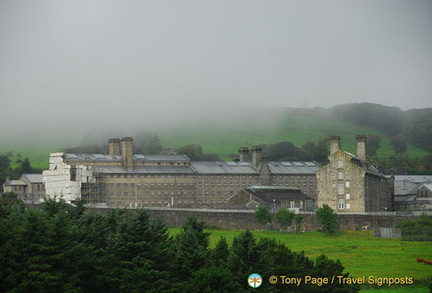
(114, 146)
(361, 148)
(334, 144)
(243, 154)
(256, 155)
(265, 174)
(127, 152)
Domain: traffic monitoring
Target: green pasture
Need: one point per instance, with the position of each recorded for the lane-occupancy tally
(360, 253)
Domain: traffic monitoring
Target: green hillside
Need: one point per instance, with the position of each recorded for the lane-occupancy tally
(224, 135)
(271, 126)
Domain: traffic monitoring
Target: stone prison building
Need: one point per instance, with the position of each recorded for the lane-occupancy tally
(124, 179)
(349, 184)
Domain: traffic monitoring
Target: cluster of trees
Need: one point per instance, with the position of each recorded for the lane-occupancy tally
(61, 248)
(195, 153)
(417, 230)
(414, 166)
(413, 126)
(23, 166)
(325, 215)
(287, 151)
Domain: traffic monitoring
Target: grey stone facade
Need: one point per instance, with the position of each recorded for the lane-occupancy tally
(348, 184)
(29, 187)
(134, 180)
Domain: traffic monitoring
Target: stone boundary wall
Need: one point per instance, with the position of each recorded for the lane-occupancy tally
(245, 219)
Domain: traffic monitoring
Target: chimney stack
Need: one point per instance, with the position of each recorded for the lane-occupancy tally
(114, 146)
(243, 154)
(361, 148)
(127, 152)
(256, 155)
(334, 144)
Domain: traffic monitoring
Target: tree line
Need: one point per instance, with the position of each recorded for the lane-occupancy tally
(416, 230)
(62, 248)
(325, 215)
(413, 126)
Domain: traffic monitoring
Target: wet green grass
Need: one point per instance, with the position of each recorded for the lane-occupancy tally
(359, 252)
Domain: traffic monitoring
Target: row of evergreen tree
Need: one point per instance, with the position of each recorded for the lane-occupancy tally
(60, 248)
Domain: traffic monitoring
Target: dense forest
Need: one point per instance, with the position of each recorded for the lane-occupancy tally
(61, 248)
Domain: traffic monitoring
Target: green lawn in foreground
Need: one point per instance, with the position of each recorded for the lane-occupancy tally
(360, 253)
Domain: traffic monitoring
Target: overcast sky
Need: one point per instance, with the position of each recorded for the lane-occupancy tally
(65, 61)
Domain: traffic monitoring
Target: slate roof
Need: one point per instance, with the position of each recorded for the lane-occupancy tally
(427, 185)
(414, 178)
(137, 157)
(268, 193)
(197, 167)
(144, 170)
(14, 182)
(221, 167)
(293, 167)
(34, 178)
(408, 185)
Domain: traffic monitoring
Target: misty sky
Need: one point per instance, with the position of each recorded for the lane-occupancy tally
(64, 62)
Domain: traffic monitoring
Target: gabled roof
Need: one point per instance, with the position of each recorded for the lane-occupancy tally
(374, 171)
(277, 193)
(33, 178)
(144, 170)
(414, 178)
(409, 185)
(221, 167)
(115, 158)
(427, 186)
(198, 167)
(14, 183)
(293, 167)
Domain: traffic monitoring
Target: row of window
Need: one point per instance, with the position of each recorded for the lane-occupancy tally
(185, 176)
(342, 205)
(347, 196)
(341, 186)
(112, 193)
(340, 175)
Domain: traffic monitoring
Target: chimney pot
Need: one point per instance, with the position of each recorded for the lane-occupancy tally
(114, 146)
(361, 148)
(334, 144)
(243, 154)
(127, 152)
(256, 155)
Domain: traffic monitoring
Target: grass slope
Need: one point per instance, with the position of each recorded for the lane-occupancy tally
(269, 126)
(224, 135)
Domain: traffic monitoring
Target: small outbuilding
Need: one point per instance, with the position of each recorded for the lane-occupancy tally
(29, 187)
(273, 198)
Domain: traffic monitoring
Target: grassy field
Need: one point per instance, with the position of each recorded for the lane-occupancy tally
(360, 253)
(224, 136)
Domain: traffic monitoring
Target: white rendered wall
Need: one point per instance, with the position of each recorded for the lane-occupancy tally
(58, 182)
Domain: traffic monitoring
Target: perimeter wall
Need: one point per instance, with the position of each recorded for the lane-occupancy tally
(245, 219)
